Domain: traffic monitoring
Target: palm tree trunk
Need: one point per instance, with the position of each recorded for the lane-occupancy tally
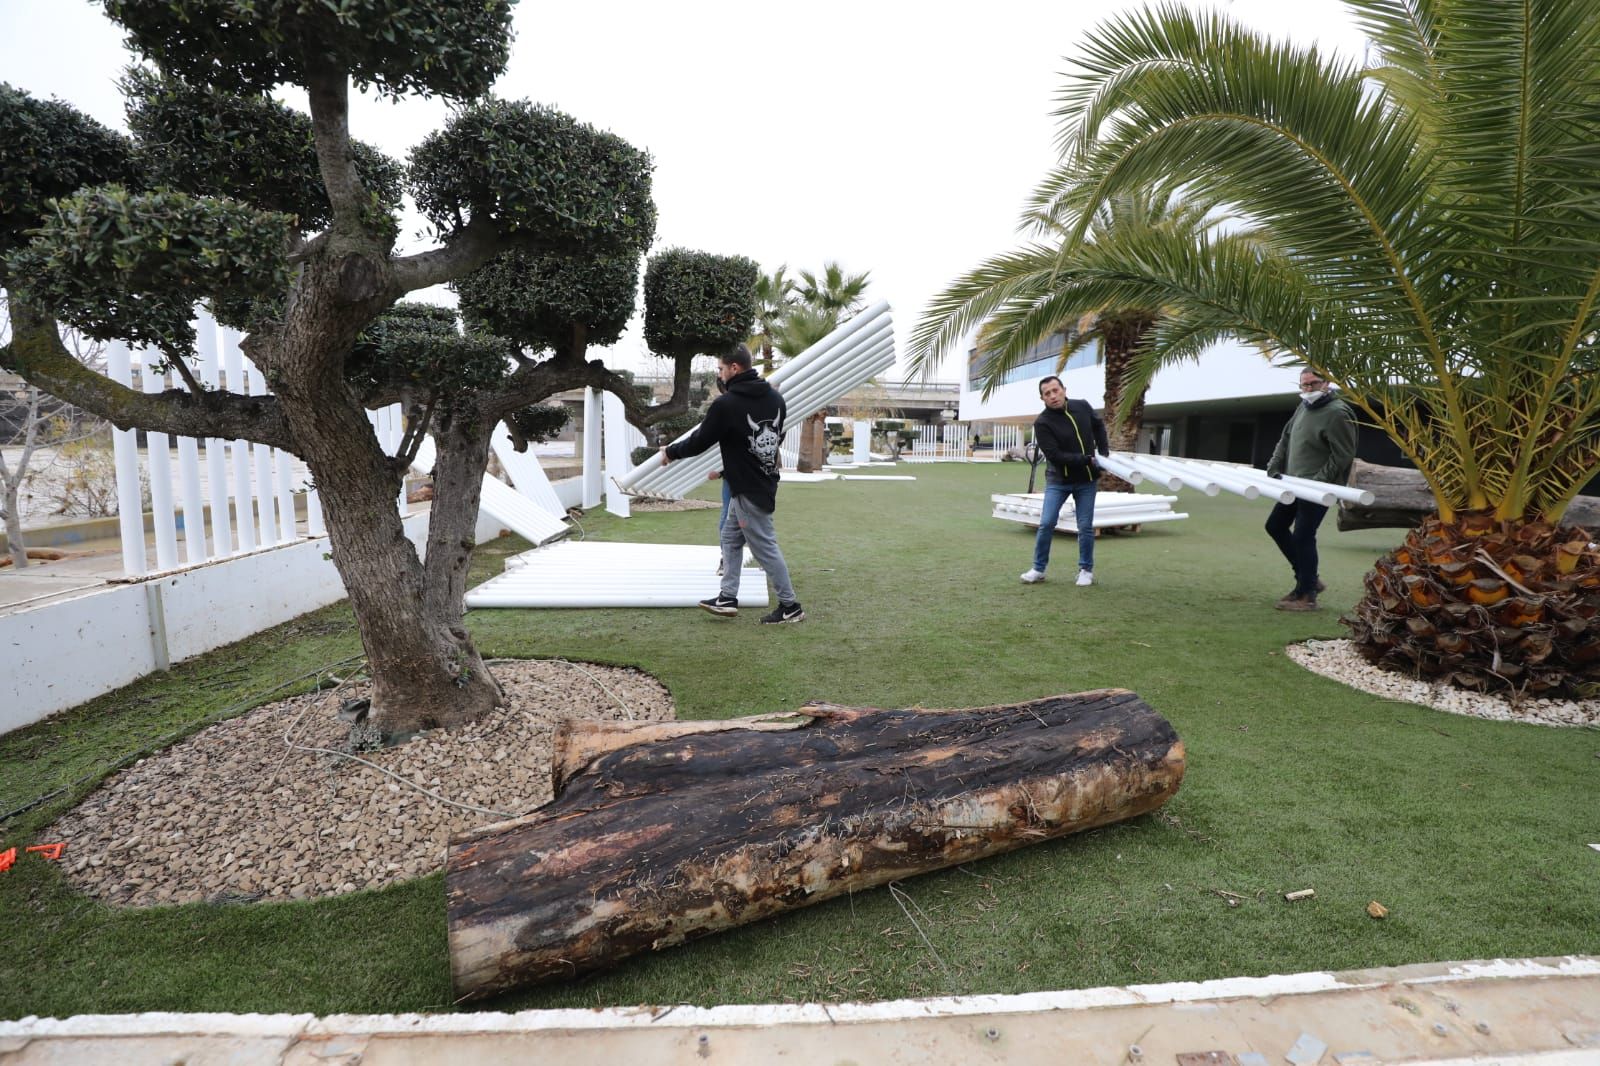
(1122, 338)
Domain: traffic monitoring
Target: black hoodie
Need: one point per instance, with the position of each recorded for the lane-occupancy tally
(1069, 438)
(747, 423)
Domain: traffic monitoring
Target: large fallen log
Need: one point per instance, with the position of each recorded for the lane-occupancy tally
(1402, 500)
(663, 832)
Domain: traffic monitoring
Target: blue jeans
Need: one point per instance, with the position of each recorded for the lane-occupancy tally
(1055, 495)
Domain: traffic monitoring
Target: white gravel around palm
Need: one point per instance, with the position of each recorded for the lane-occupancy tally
(1339, 660)
(246, 809)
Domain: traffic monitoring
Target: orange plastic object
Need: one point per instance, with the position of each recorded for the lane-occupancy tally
(49, 851)
(7, 857)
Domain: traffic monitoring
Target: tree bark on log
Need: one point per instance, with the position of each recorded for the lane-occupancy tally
(1402, 501)
(664, 832)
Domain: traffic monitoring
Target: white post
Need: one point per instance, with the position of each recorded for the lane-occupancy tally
(194, 508)
(617, 462)
(244, 521)
(160, 474)
(125, 449)
(216, 447)
(283, 466)
(592, 475)
(315, 526)
(861, 454)
(266, 531)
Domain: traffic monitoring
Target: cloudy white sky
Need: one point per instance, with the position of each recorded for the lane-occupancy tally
(891, 137)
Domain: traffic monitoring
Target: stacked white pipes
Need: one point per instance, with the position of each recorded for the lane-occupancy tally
(1212, 477)
(851, 354)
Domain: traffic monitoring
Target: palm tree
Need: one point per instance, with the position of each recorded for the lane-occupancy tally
(1432, 247)
(834, 292)
(775, 295)
(1024, 297)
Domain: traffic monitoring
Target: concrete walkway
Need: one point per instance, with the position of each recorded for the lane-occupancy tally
(1538, 1012)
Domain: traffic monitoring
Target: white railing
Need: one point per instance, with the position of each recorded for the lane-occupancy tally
(246, 493)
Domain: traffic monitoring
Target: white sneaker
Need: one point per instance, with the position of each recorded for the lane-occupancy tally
(1033, 577)
(1085, 577)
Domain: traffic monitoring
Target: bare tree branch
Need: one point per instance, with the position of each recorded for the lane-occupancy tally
(37, 353)
(464, 250)
(328, 92)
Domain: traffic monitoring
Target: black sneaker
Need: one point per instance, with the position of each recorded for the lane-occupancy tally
(726, 606)
(784, 612)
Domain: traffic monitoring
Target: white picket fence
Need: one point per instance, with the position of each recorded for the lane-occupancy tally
(1006, 437)
(243, 493)
(941, 443)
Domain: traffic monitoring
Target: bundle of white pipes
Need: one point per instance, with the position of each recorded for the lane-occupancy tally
(1110, 509)
(845, 358)
(1211, 477)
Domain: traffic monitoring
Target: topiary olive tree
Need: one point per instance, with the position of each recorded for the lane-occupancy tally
(286, 227)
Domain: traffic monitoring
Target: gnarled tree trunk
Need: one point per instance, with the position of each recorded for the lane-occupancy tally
(1122, 337)
(664, 832)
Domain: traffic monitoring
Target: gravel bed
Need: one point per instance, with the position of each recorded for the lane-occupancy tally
(234, 813)
(1339, 660)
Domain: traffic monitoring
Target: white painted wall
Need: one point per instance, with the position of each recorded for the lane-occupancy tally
(1226, 371)
(58, 655)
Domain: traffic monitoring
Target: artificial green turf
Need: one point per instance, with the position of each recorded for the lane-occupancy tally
(1473, 833)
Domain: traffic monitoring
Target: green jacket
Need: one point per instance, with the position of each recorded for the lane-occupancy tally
(1319, 443)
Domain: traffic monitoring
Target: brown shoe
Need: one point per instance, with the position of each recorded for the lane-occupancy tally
(1297, 603)
(1321, 587)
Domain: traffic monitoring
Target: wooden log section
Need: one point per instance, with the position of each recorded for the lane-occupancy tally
(1402, 500)
(663, 832)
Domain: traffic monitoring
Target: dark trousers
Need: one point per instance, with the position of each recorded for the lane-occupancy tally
(1293, 527)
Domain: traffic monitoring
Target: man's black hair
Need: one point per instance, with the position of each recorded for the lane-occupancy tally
(739, 356)
(1045, 381)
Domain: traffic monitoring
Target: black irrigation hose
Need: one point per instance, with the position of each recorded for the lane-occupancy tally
(163, 741)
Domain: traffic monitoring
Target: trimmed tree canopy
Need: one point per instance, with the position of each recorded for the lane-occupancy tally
(52, 149)
(452, 48)
(251, 148)
(118, 264)
(697, 303)
(537, 173)
(536, 300)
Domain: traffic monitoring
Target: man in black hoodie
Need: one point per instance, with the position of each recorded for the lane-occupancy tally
(746, 423)
(1069, 434)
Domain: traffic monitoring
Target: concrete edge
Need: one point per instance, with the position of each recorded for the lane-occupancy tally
(768, 1014)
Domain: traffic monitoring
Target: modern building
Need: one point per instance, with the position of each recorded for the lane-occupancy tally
(1231, 405)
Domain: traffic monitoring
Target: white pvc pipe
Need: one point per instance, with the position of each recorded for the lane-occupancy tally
(1147, 465)
(216, 447)
(810, 397)
(843, 344)
(160, 475)
(243, 497)
(1194, 479)
(1126, 471)
(1342, 492)
(1237, 485)
(1273, 489)
(125, 450)
(861, 452)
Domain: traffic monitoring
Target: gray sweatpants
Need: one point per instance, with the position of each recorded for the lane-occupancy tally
(749, 524)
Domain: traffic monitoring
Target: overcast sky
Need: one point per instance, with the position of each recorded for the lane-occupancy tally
(892, 137)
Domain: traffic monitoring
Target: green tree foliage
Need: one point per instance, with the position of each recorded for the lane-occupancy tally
(552, 302)
(537, 173)
(697, 303)
(51, 150)
(399, 47)
(249, 148)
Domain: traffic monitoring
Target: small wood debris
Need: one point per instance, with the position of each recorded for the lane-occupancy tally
(1304, 893)
(1377, 910)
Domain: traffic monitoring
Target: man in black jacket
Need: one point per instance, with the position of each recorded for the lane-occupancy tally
(746, 423)
(1069, 434)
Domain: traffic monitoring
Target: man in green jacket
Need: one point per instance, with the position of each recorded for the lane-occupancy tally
(1319, 444)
